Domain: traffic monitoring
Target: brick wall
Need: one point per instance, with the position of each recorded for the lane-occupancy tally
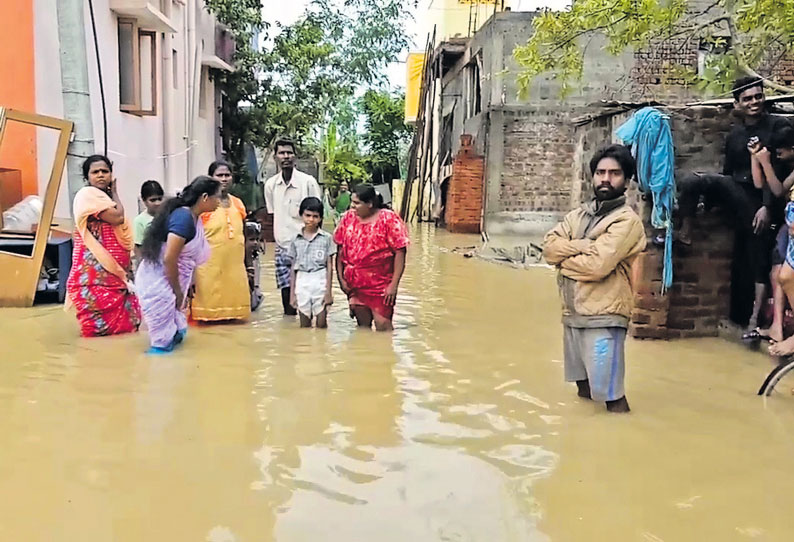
(657, 72)
(660, 62)
(778, 66)
(465, 194)
(699, 137)
(539, 149)
(589, 138)
(700, 295)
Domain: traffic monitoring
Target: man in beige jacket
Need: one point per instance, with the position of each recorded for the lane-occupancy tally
(593, 249)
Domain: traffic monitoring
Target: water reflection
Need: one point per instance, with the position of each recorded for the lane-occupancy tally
(456, 427)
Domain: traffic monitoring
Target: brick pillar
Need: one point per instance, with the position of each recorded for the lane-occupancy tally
(465, 194)
(700, 295)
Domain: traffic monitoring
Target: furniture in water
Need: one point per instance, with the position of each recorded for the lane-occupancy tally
(58, 251)
(20, 272)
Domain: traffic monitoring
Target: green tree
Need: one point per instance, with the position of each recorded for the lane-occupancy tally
(307, 76)
(741, 33)
(342, 160)
(384, 132)
(240, 87)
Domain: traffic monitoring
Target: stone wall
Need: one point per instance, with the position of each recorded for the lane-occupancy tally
(465, 194)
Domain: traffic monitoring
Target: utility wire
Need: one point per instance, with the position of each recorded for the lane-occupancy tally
(101, 81)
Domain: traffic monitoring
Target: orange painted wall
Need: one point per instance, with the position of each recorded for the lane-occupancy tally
(18, 88)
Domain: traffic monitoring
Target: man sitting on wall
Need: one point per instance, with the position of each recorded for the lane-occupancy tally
(754, 208)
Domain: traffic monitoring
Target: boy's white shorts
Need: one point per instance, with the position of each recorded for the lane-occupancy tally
(310, 291)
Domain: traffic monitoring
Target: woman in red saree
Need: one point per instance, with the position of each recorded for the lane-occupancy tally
(372, 246)
(99, 282)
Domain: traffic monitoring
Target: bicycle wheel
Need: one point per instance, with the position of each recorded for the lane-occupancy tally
(777, 374)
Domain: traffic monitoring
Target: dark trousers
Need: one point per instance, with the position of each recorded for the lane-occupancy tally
(751, 252)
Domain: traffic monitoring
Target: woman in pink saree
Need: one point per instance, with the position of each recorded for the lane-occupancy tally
(98, 284)
(172, 249)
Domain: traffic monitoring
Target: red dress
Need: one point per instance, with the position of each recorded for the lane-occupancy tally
(104, 304)
(367, 252)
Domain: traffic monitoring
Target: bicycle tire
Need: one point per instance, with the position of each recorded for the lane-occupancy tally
(776, 376)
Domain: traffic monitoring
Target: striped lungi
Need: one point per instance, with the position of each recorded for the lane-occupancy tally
(283, 268)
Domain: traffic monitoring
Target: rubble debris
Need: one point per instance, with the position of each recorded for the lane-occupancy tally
(522, 256)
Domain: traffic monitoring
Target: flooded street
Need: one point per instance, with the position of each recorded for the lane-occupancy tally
(458, 427)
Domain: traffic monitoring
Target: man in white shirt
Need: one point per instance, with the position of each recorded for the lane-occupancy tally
(283, 195)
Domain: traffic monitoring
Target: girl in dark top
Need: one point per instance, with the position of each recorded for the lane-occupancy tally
(173, 247)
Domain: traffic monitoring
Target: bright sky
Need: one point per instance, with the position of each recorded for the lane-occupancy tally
(288, 13)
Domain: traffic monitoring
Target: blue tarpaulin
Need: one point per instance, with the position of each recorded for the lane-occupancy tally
(648, 132)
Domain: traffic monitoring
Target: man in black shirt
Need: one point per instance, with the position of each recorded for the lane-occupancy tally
(753, 208)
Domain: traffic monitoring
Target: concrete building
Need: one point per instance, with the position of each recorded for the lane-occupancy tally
(532, 148)
(157, 58)
(439, 21)
(524, 162)
(528, 144)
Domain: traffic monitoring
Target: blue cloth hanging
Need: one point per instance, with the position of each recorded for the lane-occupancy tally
(648, 132)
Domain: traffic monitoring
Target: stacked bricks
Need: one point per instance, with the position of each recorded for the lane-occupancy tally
(465, 194)
(779, 65)
(661, 62)
(700, 295)
(539, 149)
(783, 72)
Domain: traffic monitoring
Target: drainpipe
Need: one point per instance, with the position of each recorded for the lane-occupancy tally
(185, 90)
(166, 95)
(192, 86)
(194, 97)
(75, 89)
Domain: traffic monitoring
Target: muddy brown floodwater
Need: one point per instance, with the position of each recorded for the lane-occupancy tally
(457, 427)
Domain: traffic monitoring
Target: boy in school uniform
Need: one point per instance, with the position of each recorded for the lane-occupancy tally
(312, 252)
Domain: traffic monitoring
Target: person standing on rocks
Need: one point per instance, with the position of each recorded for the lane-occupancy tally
(593, 249)
(284, 193)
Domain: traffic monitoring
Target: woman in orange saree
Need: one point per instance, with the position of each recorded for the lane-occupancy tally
(222, 292)
(99, 281)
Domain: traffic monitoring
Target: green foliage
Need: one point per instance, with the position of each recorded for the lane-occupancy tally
(316, 65)
(243, 18)
(385, 132)
(341, 159)
(757, 28)
(307, 76)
